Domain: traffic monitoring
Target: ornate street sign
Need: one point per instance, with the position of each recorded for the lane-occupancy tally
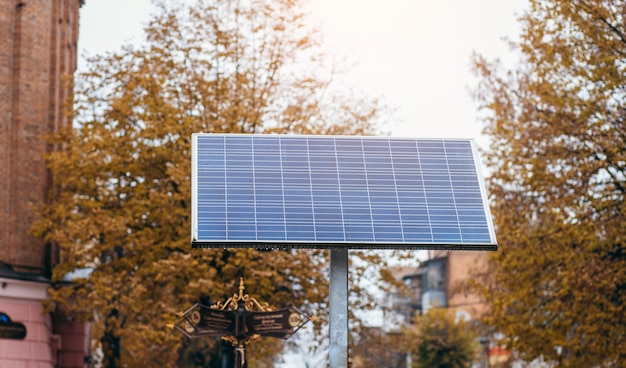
(240, 320)
(240, 317)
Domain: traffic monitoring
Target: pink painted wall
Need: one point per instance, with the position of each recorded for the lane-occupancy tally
(35, 350)
(52, 340)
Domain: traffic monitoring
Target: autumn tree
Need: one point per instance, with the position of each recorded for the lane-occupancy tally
(377, 347)
(120, 207)
(557, 158)
(441, 341)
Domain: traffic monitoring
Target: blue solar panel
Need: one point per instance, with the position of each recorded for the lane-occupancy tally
(285, 191)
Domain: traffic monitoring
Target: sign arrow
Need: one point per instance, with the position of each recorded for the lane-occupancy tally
(200, 320)
(280, 323)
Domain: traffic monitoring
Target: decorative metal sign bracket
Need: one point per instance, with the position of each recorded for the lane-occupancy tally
(250, 303)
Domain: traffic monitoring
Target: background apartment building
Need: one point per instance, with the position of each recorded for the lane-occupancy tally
(438, 283)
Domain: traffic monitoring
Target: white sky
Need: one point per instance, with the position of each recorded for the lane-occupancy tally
(415, 54)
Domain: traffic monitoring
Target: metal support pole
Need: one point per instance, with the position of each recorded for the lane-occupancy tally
(227, 354)
(484, 342)
(338, 308)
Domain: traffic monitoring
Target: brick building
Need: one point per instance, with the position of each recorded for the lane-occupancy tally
(437, 283)
(37, 60)
(445, 272)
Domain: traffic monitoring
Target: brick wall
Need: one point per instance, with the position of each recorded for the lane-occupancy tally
(37, 60)
(459, 270)
(37, 56)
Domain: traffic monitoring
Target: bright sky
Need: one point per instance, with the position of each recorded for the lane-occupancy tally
(415, 54)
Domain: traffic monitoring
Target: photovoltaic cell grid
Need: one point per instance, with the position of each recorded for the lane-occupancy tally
(282, 191)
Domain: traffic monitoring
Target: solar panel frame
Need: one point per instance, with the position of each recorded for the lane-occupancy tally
(377, 192)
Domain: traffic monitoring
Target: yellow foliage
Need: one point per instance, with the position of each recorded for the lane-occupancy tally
(121, 199)
(557, 287)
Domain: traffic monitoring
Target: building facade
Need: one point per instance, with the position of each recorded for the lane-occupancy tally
(439, 283)
(38, 55)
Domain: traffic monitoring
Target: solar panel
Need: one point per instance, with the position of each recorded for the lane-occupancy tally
(289, 191)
